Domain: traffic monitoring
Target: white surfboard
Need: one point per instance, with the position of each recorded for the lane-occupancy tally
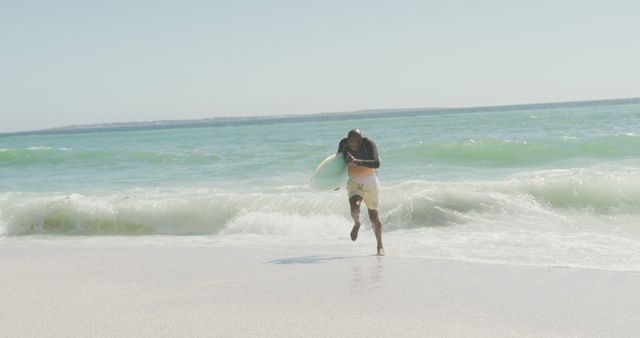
(330, 174)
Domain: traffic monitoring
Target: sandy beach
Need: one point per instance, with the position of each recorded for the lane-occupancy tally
(211, 291)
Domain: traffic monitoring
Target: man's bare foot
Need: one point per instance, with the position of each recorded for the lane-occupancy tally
(380, 251)
(354, 232)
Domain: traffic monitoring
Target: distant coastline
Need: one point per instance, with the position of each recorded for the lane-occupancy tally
(249, 120)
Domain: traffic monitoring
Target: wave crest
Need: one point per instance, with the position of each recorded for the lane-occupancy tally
(515, 153)
(297, 211)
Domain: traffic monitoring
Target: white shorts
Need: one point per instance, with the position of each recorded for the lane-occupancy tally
(368, 192)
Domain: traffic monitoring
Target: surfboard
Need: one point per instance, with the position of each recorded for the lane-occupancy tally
(330, 174)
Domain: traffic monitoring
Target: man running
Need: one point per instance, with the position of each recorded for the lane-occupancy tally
(362, 159)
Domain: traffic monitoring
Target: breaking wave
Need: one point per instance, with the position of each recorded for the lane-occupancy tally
(297, 211)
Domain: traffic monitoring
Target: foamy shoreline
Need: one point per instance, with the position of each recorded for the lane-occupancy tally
(212, 291)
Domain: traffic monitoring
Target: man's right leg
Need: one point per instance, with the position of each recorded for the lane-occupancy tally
(354, 202)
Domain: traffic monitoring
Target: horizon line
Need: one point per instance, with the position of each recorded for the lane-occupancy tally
(176, 123)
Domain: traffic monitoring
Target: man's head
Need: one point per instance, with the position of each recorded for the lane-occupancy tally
(354, 139)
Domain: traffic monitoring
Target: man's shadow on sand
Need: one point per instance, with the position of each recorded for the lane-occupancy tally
(360, 273)
(310, 259)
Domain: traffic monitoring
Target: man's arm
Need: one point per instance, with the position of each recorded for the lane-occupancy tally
(341, 145)
(373, 163)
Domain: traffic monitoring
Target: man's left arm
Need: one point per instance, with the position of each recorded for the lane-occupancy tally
(373, 163)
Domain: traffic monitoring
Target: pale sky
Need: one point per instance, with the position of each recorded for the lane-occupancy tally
(83, 62)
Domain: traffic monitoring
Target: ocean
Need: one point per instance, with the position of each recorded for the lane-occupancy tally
(543, 185)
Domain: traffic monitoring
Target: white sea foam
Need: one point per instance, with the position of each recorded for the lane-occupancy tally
(580, 218)
(411, 204)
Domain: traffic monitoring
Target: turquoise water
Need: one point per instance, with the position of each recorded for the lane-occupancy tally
(543, 184)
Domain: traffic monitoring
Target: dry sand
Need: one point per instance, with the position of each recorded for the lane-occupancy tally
(232, 292)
